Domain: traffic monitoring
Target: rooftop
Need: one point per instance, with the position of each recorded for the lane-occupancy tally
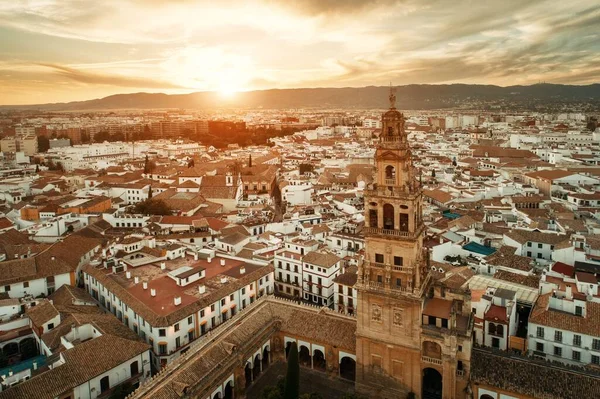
(222, 276)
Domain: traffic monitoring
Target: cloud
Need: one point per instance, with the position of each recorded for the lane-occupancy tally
(333, 7)
(92, 78)
(261, 44)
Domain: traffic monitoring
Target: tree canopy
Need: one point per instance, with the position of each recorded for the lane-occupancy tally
(152, 206)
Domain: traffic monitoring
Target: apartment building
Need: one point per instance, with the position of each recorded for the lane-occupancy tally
(170, 303)
(565, 327)
(319, 269)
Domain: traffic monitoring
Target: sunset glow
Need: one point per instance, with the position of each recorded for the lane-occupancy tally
(62, 51)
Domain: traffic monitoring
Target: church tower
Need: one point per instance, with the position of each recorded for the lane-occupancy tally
(393, 277)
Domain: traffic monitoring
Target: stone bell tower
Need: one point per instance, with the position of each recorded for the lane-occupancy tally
(393, 277)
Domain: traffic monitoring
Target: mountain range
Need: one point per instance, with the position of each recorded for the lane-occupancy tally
(371, 97)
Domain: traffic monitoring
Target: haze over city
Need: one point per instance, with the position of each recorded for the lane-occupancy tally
(297, 199)
(57, 51)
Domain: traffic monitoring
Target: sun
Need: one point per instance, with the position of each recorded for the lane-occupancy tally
(227, 92)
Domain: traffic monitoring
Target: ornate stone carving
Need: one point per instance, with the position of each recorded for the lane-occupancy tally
(397, 317)
(376, 313)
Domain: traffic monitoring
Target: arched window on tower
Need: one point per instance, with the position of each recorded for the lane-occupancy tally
(388, 217)
(404, 222)
(390, 173)
(373, 218)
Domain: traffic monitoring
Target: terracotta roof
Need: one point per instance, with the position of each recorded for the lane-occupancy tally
(233, 239)
(5, 223)
(68, 295)
(506, 257)
(536, 379)
(83, 362)
(42, 313)
(322, 259)
(524, 236)
(563, 269)
(159, 318)
(62, 257)
(550, 174)
(181, 201)
(544, 315)
(348, 279)
(438, 195)
(526, 280)
(438, 307)
(496, 313)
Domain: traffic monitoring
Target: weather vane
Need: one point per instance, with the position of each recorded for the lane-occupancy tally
(392, 96)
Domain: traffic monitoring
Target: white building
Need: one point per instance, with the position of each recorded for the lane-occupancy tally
(173, 308)
(565, 327)
(320, 268)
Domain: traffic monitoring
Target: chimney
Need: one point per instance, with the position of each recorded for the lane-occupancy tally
(209, 259)
(223, 280)
(136, 280)
(569, 293)
(222, 262)
(152, 292)
(177, 300)
(35, 365)
(196, 256)
(163, 265)
(128, 275)
(242, 270)
(145, 285)
(201, 289)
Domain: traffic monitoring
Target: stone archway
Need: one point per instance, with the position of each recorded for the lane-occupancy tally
(432, 384)
(248, 374)
(265, 358)
(319, 362)
(256, 367)
(348, 368)
(217, 395)
(28, 348)
(228, 391)
(304, 356)
(10, 349)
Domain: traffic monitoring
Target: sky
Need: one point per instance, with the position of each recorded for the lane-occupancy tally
(71, 50)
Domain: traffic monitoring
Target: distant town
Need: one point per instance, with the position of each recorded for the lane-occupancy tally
(427, 254)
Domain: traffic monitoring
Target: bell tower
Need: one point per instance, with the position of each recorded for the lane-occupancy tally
(393, 277)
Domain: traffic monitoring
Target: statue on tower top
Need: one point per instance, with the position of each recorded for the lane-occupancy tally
(392, 97)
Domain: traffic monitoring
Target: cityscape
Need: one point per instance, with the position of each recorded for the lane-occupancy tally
(207, 221)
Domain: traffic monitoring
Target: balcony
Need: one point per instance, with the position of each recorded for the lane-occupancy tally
(396, 233)
(391, 190)
(460, 373)
(390, 182)
(427, 359)
(405, 269)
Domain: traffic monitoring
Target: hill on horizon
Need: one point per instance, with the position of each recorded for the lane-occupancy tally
(370, 97)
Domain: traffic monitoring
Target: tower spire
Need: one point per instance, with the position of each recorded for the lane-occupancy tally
(392, 97)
